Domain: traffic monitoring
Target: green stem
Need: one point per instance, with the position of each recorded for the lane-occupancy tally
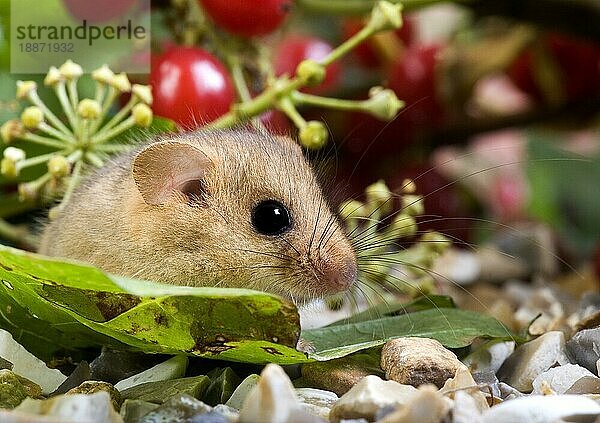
(61, 94)
(113, 148)
(120, 115)
(50, 130)
(49, 142)
(100, 92)
(35, 100)
(287, 107)
(33, 161)
(241, 87)
(109, 98)
(94, 159)
(73, 95)
(73, 181)
(75, 156)
(326, 102)
(348, 45)
(361, 7)
(104, 136)
(259, 104)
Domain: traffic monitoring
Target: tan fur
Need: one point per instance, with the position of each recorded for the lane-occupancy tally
(108, 224)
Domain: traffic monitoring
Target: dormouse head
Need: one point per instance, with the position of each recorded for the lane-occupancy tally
(242, 209)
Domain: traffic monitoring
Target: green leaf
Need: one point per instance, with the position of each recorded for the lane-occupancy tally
(452, 327)
(49, 304)
(392, 309)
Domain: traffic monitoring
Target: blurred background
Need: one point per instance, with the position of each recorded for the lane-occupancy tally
(500, 129)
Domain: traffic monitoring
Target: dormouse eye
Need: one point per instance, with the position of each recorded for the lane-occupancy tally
(270, 217)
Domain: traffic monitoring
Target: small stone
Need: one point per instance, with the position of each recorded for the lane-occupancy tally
(341, 374)
(427, 406)
(173, 368)
(210, 417)
(465, 408)
(93, 386)
(29, 366)
(132, 411)
(76, 378)
(585, 385)
(584, 348)
(222, 385)
(236, 400)
(418, 361)
(177, 409)
(490, 358)
(532, 359)
(368, 396)
(5, 364)
(231, 413)
(464, 382)
(560, 378)
(316, 401)
(272, 400)
(12, 391)
(95, 408)
(541, 409)
(115, 365)
(159, 392)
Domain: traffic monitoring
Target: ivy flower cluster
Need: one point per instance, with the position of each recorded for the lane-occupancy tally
(83, 139)
(376, 230)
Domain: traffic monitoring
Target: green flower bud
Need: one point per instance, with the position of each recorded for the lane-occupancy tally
(52, 77)
(103, 74)
(142, 115)
(403, 225)
(413, 204)
(352, 209)
(58, 166)
(311, 72)
(14, 154)
(379, 197)
(314, 135)
(383, 103)
(11, 130)
(24, 88)
(8, 168)
(88, 109)
(408, 186)
(70, 70)
(121, 82)
(143, 92)
(385, 16)
(32, 116)
(436, 241)
(28, 191)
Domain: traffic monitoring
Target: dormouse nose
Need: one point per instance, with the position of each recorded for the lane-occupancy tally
(340, 277)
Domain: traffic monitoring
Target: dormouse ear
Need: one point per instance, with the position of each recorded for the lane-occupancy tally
(167, 167)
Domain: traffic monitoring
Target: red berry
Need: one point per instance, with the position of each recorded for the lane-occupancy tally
(97, 11)
(190, 86)
(413, 79)
(293, 50)
(248, 17)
